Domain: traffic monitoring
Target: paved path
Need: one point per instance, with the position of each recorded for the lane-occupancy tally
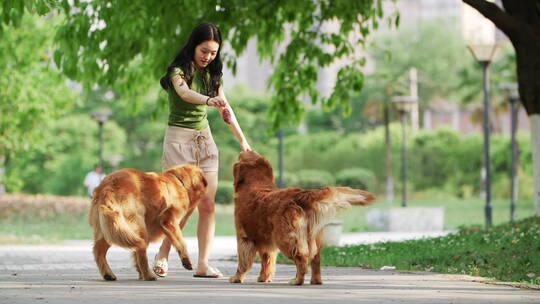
(66, 273)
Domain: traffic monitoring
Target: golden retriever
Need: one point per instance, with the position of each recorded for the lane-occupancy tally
(291, 219)
(132, 208)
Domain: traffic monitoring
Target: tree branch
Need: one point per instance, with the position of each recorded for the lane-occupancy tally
(505, 22)
(526, 11)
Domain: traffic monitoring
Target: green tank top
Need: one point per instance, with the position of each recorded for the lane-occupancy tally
(186, 114)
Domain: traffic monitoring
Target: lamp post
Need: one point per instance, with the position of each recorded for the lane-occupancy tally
(281, 152)
(484, 53)
(101, 116)
(404, 104)
(513, 97)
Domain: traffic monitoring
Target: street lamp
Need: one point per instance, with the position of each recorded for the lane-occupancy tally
(484, 53)
(404, 104)
(513, 97)
(101, 116)
(281, 158)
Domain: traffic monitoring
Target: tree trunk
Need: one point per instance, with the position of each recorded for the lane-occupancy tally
(520, 21)
(535, 140)
(2, 173)
(388, 154)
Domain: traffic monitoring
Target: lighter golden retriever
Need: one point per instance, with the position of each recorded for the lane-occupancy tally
(133, 208)
(292, 219)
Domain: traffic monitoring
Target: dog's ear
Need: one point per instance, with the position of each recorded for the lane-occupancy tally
(264, 165)
(237, 176)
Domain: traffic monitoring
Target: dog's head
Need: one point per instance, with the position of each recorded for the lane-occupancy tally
(251, 166)
(192, 177)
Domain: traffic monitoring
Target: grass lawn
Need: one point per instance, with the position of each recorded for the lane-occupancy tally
(457, 212)
(508, 252)
(27, 228)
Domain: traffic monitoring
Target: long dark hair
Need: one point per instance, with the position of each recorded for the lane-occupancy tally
(184, 58)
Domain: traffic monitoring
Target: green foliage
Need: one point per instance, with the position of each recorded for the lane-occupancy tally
(437, 158)
(358, 178)
(33, 91)
(225, 192)
(12, 11)
(508, 252)
(440, 160)
(437, 66)
(332, 152)
(306, 151)
(116, 45)
(444, 159)
(289, 178)
(313, 179)
(72, 151)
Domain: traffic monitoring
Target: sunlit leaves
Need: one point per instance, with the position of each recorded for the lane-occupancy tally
(12, 11)
(101, 40)
(290, 34)
(32, 90)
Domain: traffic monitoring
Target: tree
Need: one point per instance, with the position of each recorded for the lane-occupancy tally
(128, 44)
(32, 91)
(520, 21)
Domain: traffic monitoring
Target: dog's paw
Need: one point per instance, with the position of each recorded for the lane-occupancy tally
(151, 278)
(109, 277)
(235, 279)
(264, 279)
(187, 264)
(296, 282)
(316, 281)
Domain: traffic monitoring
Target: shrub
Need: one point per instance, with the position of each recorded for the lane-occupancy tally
(225, 193)
(290, 178)
(41, 205)
(359, 178)
(311, 178)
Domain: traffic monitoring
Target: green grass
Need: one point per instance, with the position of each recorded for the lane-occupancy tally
(30, 229)
(52, 228)
(458, 212)
(508, 252)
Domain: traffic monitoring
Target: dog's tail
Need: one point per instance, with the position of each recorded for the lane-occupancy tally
(353, 196)
(113, 224)
(337, 199)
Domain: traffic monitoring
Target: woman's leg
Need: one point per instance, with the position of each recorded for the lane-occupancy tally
(205, 231)
(206, 225)
(161, 259)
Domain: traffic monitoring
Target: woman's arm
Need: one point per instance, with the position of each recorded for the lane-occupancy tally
(187, 94)
(233, 124)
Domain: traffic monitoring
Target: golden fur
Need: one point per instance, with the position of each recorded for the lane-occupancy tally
(291, 219)
(132, 208)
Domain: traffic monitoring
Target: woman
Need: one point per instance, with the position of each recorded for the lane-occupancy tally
(193, 82)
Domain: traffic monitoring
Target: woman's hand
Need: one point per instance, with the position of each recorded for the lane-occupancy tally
(245, 146)
(217, 102)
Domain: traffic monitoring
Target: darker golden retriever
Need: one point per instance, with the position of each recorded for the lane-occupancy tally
(292, 219)
(133, 208)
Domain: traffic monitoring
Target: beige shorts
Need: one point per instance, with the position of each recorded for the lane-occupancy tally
(183, 146)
